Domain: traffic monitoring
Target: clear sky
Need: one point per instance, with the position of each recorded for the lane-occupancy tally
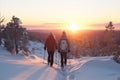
(82, 12)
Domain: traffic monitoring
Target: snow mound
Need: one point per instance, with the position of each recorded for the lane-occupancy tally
(36, 45)
(34, 57)
(95, 68)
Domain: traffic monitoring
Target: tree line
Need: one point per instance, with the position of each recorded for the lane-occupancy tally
(103, 44)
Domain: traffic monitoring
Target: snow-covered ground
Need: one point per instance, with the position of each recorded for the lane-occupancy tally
(33, 67)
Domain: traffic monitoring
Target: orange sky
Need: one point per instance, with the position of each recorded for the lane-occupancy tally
(84, 13)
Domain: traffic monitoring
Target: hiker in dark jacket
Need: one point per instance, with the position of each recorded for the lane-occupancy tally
(63, 49)
(51, 46)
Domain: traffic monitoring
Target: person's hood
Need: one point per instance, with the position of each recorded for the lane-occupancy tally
(63, 36)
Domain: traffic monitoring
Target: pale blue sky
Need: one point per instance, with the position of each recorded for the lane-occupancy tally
(85, 12)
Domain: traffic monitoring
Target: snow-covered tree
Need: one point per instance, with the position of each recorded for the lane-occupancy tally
(1, 27)
(16, 37)
(1, 20)
(109, 39)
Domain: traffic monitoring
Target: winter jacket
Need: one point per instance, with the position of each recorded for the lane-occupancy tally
(50, 43)
(63, 44)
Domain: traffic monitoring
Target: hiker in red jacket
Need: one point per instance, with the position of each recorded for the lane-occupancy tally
(63, 49)
(51, 46)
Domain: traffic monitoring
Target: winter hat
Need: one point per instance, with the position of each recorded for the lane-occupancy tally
(51, 35)
(63, 35)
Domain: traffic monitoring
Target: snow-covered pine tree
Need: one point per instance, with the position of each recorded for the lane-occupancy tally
(109, 39)
(81, 47)
(94, 46)
(1, 27)
(1, 19)
(16, 37)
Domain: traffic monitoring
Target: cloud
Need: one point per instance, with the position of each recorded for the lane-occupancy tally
(45, 26)
(104, 24)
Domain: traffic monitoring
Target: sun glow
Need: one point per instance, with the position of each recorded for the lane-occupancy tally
(73, 27)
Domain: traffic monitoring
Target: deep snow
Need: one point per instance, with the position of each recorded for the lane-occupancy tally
(33, 67)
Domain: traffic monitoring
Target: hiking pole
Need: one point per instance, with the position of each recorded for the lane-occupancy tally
(55, 54)
(69, 59)
(44, 55)
(56, 58)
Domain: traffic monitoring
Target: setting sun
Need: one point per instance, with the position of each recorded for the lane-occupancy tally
(73, 27)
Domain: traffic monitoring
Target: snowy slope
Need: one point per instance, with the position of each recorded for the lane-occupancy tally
(19, 67)
(95, 68)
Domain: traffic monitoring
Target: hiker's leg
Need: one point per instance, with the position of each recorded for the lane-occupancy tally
(65, 58)
(62, 60)
(52, 58)
(48, 58)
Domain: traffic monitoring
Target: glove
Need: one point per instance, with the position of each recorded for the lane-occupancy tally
(59, 50)
(44, 48)
(68, 50)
